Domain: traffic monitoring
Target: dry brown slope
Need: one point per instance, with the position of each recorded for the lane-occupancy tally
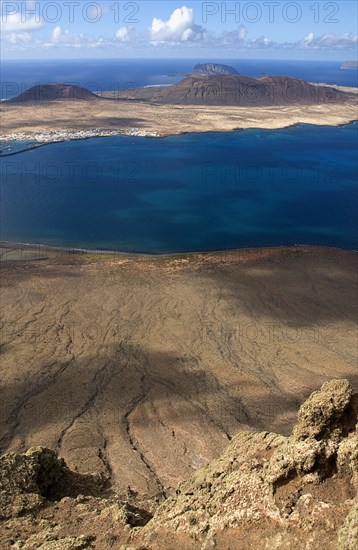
(144, 368)
(265, 491)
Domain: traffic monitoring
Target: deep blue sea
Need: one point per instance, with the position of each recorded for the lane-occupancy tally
(195, 192)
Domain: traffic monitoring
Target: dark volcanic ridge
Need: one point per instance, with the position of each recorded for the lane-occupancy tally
(220, 90)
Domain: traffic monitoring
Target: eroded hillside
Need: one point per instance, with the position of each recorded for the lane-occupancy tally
(265, 491)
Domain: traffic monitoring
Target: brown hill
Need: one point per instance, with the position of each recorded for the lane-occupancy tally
(203, 90)
(246, 91)
(54, 92)
(265, 491)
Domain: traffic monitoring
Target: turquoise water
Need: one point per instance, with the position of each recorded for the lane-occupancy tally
(193, 192)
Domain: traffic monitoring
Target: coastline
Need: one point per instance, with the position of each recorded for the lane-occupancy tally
(16, 251)
(62, 136)
(58, 121)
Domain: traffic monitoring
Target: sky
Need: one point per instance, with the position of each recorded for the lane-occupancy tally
(272, 29)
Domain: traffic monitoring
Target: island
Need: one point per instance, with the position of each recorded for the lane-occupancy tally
(213, 69)
(350, 65)
(198, 103)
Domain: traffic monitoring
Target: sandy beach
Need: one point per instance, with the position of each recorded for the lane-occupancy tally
(143, 368)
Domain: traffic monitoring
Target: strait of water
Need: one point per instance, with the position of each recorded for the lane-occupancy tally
(193, 192)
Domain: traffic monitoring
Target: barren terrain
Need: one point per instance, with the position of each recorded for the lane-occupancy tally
(264, 491)
(75, 115)
(143, 368)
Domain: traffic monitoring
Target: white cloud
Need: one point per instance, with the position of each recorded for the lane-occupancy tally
(234, 37)
(336, 41)
(19, 38)
(18, 22)
(180, 27)
(329, 41)
(261, 43)
(124, 34)
(178, 30)
(242, 32)
(308, 39)
(325, 42)
(56, 34)
(63, 38)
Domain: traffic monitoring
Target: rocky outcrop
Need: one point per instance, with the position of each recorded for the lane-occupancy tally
(270, 491)
(49, 506)
(29, 480)
(266, 491)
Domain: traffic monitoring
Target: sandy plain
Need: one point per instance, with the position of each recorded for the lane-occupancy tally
(143, 368)
(107, 114)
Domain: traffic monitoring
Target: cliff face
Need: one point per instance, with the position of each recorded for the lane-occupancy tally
(265, 491)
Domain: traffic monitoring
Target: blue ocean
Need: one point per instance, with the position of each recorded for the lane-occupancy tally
(195, 192)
